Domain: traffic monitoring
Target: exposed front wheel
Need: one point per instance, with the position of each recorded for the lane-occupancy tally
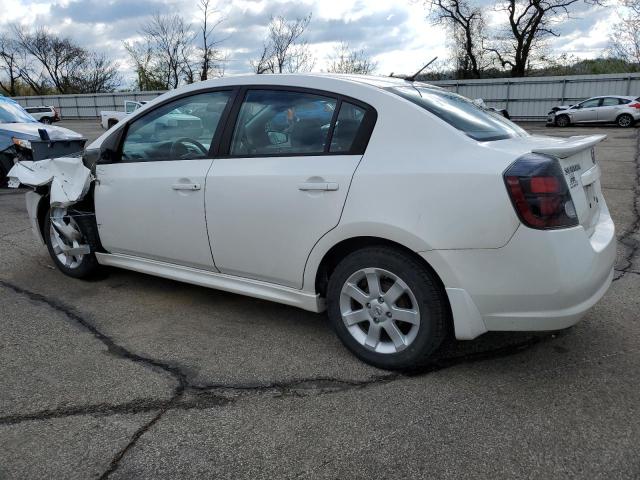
(68, 239)
(387, 308)
(625, 120)
(562, 121)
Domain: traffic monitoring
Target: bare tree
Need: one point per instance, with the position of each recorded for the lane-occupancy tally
(47, 59)
(169, 37)
(346, 60)
(530, 22)
(466, 23)
(9, 57)
(625, 37)
(147, 77)
(210, 57)
(283, 50)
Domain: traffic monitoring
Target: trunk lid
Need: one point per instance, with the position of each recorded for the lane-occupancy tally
(577, 158)
(579, 164)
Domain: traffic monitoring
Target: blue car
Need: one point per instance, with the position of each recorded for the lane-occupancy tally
(22, 137)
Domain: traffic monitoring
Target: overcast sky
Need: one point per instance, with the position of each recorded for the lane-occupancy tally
(396, 34)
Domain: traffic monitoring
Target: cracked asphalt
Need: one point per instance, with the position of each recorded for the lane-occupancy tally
(131, 376)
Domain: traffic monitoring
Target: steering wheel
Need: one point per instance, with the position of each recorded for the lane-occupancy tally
(186, 140)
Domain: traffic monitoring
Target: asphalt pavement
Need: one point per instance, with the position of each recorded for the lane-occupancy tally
(132, 376)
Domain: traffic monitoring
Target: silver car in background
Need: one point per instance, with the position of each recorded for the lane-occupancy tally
(623, 111)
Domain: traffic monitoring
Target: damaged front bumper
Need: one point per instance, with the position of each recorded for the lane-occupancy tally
(68, 178)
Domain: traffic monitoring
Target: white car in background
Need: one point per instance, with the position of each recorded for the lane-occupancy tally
(623, 111)
(44, 114)
(108, 118)
(405, 210)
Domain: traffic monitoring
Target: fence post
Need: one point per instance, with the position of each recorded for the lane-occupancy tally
(508, 95)
(564, 89)
(628, 85)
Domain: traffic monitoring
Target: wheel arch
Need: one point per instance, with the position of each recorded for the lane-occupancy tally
(85, 205)
(337, 252)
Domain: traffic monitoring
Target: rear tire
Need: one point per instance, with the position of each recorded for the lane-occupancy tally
(45, 120)
(625, 121)
(83, 228)
(111, 123)
(395, 322)
(562, 121)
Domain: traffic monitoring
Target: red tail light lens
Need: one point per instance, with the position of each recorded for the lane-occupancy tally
(635, 105)
(539, 192)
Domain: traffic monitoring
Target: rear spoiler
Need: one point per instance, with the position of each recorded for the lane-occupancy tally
(570, 146)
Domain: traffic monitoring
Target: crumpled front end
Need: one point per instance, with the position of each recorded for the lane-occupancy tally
(68, 178)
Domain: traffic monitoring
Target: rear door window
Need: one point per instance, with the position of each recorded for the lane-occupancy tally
(279, 122)
(348, 125)
(610, 102)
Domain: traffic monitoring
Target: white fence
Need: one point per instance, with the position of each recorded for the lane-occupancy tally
(86, 105)
(525, 98)
(532, 97)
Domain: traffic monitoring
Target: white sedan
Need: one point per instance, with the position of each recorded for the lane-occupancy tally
(404, 210)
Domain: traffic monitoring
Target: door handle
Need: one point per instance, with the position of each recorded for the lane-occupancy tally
(186, 186)
(318, 186)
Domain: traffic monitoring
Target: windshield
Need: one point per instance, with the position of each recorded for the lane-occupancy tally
(478, 123)
(13, 113)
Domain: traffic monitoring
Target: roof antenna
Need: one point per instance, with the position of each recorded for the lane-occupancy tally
(412, 78)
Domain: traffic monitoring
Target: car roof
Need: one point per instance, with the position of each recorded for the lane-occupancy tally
(612, 96)
(296, 79)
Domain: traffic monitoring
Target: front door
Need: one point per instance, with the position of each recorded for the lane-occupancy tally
(150, 201)
(283, 184)
(588, 111)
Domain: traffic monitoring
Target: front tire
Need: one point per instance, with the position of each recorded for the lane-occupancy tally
(387, 308)
(625, 121)
(562, 121)
(45, 120)
(71, 241)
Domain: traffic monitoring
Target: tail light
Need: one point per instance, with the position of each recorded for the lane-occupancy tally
(635, 105)
(539, 192)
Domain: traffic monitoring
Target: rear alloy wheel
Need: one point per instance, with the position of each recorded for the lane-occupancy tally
(625, 120)
(387, 308)
(45, 120)
(562, 121)
(68, 244)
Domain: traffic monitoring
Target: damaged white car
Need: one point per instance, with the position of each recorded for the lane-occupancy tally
(406, 211)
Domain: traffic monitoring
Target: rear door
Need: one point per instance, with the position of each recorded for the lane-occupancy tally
(284, 181)
(609, 110)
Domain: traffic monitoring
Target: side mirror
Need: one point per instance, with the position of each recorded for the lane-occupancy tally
(108, 152)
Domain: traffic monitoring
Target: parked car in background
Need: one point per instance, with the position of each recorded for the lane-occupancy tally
(108, 118)
(44, 114)
(20, 138)
(623, 111)
(501, 111)
(409, 214)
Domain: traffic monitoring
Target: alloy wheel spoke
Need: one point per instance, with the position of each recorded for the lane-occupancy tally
(373, 337)
(356, 316)
(373, 281)
(394, 293)
(405, 315)
(395, 334)
(355, 293)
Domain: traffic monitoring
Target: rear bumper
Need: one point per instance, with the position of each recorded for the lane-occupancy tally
(540, 280)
